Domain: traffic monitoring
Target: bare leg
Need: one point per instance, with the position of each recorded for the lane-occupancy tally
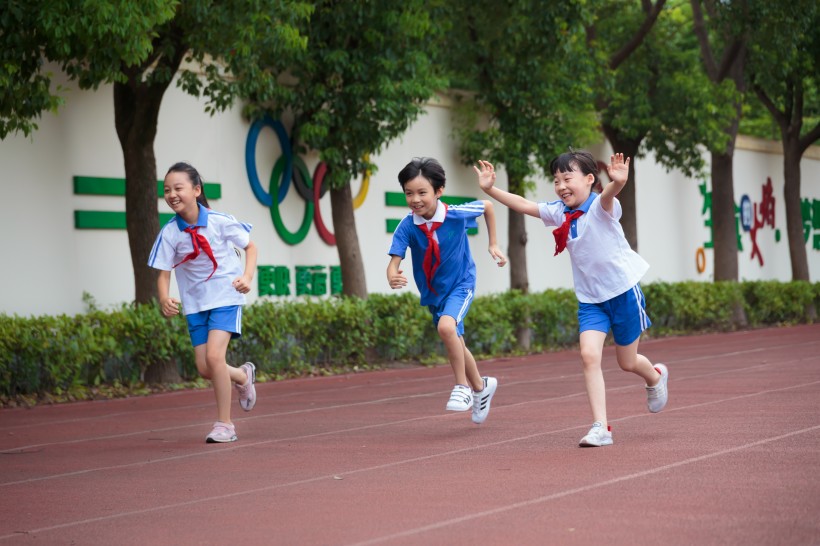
(220, 373)
(592, 347)
(631, 361)
(471, 369)
(455, 348)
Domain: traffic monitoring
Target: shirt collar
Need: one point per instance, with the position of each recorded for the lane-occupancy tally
(585, 205)
(438, 216)
(201, 221)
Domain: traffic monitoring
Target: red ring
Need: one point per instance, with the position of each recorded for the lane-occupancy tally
(318, 178)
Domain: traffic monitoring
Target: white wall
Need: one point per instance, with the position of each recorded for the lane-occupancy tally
(48, 264)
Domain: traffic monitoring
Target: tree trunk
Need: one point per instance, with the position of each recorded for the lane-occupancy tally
(794, 219)
(136, 110)
(347, 242)
(517, 255)
(724, 219)
(627, 197)
(135, 115)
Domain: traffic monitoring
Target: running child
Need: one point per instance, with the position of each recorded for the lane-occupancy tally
(444, 272)
(606, 273)
(200, 245)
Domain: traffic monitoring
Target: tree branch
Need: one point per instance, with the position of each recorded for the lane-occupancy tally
(809, 138)
(703, 39)
(629, 47)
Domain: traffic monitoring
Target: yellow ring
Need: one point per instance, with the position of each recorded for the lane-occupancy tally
(362, 195)
(700, 260)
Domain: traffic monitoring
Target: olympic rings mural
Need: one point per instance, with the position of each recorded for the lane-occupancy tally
(288, 170)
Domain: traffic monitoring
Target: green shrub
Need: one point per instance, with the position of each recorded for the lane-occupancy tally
(53, 354)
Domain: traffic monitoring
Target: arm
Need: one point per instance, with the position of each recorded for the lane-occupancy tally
(486, 179)
(168, 305)
(394, 275)
(618, 171)
(243, 283)
(489, 218)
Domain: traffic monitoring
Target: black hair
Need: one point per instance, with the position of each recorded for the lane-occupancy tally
(579, 160)
(427, 167)
(196, 180)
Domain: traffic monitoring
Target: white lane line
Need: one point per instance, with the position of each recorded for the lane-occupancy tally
(445, 372)
(19, 449)
(245, 445)
(567, 492)
(438, 525)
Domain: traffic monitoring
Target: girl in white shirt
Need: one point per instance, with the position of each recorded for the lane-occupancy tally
(606, 273)
(200, 245)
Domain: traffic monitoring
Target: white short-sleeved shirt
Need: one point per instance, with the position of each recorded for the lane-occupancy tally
(198, 292)
(603, 263)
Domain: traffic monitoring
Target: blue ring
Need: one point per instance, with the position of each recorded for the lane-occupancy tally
(250, 159)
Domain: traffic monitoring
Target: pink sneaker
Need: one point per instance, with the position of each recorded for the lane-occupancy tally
(221, 433)
(247, 392)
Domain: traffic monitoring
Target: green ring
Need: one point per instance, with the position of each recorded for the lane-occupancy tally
(287, 236)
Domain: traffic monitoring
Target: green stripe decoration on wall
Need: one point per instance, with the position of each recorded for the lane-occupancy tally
(92, 185)
(397, 199)
(100, 219)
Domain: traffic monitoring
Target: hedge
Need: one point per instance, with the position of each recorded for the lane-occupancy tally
(47, 354)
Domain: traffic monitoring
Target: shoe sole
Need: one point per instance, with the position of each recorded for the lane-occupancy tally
(213, 441)
(590, 444)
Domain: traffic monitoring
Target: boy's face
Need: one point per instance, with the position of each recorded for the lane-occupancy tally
(421, 197)
(573, 187)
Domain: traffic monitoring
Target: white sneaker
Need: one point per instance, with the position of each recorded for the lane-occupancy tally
(221, 433)
(657, 396)
(247, 392)
(482, 399)
(461, 399)
(597, 436)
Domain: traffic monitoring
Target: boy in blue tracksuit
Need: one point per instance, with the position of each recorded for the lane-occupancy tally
(444, 272)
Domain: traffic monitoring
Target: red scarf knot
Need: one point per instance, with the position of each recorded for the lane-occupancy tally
(433, 252)
(562, 233)
(200, 243)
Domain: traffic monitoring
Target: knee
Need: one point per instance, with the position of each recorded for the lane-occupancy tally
(590, 358)
(627, 365)
(446, 327)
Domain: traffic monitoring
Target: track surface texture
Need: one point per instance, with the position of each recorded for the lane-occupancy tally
(373, 458)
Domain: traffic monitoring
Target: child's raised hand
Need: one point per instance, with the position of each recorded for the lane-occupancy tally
(618, 169)
(498, 256)
(486, 175)
(397, 280)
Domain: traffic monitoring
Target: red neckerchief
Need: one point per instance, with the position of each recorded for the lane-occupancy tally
(433, 250)
(199, 242)
(562, 233)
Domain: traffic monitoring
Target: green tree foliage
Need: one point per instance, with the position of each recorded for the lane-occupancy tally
(525, 70)
(364, 77)
(784, 74)
(228, 48)
(656, 97)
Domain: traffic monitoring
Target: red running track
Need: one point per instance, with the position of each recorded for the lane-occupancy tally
(373, 458)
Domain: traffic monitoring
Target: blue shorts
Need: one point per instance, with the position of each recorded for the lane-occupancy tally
(227, 319)
(455, 305)
(624, 314)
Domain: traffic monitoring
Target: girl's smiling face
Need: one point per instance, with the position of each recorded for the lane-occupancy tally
(573, 187)
(181, 194)
(421, 197)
